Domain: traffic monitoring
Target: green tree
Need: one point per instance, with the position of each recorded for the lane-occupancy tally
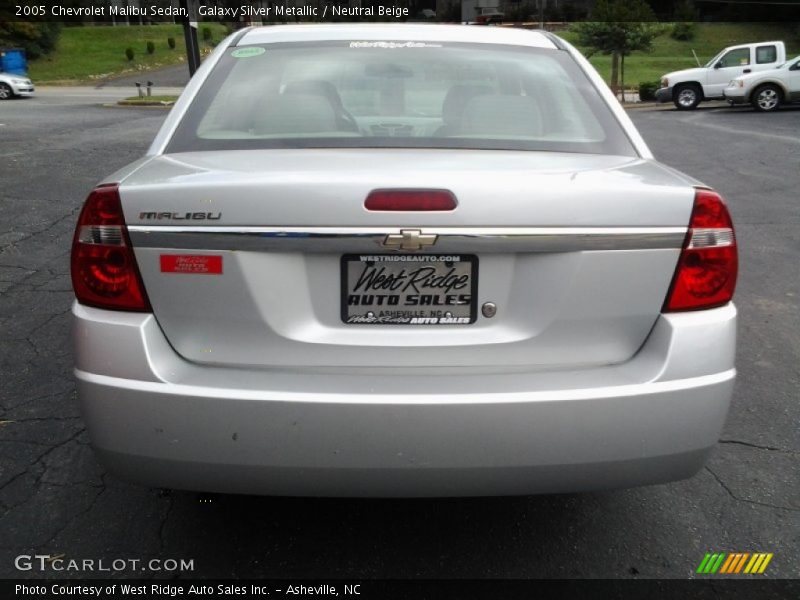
(618, 27)
(35, 38)
(685, 16)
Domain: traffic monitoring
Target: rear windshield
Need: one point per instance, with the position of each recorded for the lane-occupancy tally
(399, 95)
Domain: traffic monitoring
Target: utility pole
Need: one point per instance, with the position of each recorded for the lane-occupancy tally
(190, 35)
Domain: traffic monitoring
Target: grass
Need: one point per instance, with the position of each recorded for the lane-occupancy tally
(671, 55)
(86, 54)
(148, 101)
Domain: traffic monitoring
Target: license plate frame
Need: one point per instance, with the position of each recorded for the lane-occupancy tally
(428, 314)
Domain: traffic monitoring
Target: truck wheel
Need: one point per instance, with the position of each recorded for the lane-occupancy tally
(767, 98)
(686, 97)
(6, 93)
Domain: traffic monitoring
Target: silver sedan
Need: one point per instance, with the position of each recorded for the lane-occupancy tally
(15, 85)
(402, 260)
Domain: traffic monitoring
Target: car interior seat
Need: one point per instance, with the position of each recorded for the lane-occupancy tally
(295, 114)
(327, 90)
(455, 101)
(502, 115)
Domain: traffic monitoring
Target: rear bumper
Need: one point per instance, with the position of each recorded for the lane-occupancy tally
(161, 421)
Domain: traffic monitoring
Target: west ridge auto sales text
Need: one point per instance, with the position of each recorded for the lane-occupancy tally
(224, 12)
(155, 590)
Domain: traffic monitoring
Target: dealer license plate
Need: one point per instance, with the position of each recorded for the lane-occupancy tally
(409, 289)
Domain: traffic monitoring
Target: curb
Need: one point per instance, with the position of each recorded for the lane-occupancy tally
(129, 105)
(642, 105)
(159, 104)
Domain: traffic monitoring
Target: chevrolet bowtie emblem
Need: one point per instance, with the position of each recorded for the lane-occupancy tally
(409, 239)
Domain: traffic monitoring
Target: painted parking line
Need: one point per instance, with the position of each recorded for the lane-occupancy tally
(696, 121)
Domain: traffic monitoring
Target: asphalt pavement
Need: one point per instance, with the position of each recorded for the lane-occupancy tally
(77, 95)
(56, 500)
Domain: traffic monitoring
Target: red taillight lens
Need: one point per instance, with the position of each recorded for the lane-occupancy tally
(706, 273)
(410, 200)
(104, 271)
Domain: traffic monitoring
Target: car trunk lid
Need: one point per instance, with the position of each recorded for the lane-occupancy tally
(576, 252)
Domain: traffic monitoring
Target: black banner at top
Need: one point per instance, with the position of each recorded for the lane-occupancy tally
(508, 11)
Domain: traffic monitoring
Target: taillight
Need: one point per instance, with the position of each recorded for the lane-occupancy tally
(706, 273)
(410, 200)
(104, 271)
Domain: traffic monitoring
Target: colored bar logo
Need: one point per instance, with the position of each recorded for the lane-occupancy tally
(734, 563)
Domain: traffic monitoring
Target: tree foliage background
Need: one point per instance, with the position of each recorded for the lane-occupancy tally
(35, 38)
(618, 27)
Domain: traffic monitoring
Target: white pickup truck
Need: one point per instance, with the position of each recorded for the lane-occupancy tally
(689, 87)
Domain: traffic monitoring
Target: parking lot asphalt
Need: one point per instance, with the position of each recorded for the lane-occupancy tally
(56, 500)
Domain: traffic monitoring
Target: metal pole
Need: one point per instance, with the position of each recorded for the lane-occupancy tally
(190, 35)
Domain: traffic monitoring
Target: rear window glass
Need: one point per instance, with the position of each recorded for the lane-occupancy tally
(766, 54)
(399, 94)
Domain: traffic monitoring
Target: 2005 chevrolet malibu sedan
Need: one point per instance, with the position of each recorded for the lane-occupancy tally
(402, 260)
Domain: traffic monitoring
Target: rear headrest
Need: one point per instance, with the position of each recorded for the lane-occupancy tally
(317, 87)
(456, 100)
(295, 113)
(502, 115)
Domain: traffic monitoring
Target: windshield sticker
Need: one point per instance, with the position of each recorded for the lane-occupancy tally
(248, 52)
(393, 45)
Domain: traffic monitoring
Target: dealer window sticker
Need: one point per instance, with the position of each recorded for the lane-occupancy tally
(393, 45)
(248, 52)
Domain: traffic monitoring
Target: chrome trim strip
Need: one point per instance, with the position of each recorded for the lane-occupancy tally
(371, 239)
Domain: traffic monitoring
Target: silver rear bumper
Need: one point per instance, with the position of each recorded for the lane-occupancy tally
(159, 420)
